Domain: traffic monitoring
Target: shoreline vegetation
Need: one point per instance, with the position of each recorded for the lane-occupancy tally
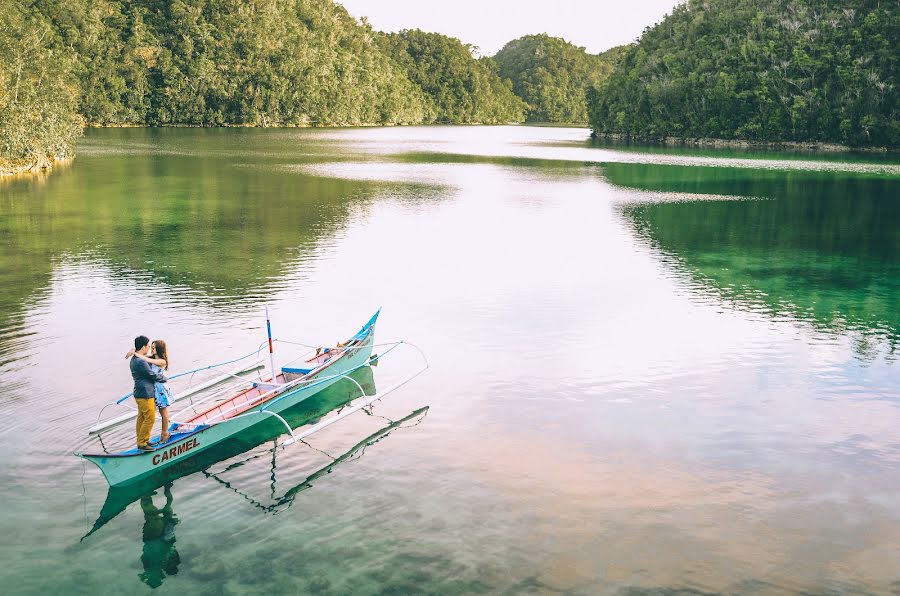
(762, 71)
(812, 146)
(13, 169)
(39, 120)
(777, 74)
(711, 143)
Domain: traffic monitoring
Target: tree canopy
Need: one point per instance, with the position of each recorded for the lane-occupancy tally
(552, 75)
(764, 70)
(38, 95)
(212, 62)
(461, 88)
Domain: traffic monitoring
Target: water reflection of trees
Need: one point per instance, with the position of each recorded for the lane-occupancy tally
(188, 219)
(195, 222)
(819, 247)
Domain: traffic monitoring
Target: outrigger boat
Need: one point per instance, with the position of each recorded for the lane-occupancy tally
(333, 400)
(250, 402)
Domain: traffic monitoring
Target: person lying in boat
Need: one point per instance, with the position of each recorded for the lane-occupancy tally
(144, 391)
(158, 359)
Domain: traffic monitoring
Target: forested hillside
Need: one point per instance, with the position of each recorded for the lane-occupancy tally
(38, 95)
(763, 70)
(552, 75)
(211, 62)
(217, 62)
(460, 87)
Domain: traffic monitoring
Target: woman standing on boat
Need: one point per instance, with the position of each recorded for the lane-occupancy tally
(159, 361)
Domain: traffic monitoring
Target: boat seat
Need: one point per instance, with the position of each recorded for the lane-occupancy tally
(292, 374)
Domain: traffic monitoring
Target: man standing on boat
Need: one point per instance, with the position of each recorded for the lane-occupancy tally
(144, 392)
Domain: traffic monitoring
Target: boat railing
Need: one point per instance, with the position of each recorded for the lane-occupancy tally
(191, 394)
(296, 384)
(319, 381)
(284, 422)
(367, 399)
(353, 344)
(202, 368)
(191, 391)
(393, 346)
(241, 383)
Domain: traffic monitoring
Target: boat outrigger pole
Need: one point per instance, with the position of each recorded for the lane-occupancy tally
(271, 348)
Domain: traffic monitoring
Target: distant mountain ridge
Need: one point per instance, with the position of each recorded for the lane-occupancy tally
(460, 88)
(552, 75)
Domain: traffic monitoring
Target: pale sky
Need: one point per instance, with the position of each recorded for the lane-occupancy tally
(596, 25)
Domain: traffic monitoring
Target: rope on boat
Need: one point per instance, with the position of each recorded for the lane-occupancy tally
(280, 388)
(302, 383)
(297, 343)
(253, 353)
(105, 450)
(196, 370)
(84, 493)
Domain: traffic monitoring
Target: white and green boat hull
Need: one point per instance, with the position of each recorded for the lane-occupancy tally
(130, 466)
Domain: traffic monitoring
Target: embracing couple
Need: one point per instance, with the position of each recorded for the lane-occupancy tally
(148, 361)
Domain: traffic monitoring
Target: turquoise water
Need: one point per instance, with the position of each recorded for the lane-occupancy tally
(651, 371)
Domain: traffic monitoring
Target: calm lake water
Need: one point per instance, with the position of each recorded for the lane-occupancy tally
(652, 371)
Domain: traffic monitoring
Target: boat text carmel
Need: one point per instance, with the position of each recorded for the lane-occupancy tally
(174, 451)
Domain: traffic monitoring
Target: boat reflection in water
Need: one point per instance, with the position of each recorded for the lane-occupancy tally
(159, 556)
(287, 499)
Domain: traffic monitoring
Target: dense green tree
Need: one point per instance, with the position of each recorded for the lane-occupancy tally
(764, 70)
(461, 88)
(216, 62)
(552, 75)
(38, 118)
(212, 62)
